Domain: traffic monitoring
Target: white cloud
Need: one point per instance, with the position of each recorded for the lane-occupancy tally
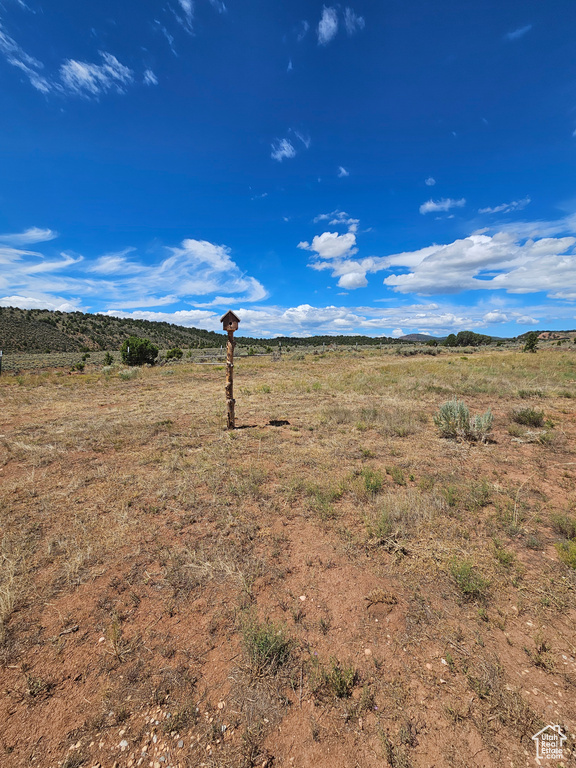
(218, 5)
(482, 262)
(337, 218)
(342, 172)
(187, 7)
(432, 206)
(328, 25)
(17, 57)
(430, 181)
(90, 80)
(35, 302)
(331, 245)
(518, 33)
(515, 205)
(30, 236)
(196, 270)
(304, 138)
(307, 320)
(352, 22)
(150, 78)
(302, 31)
(282, 148)
(495, 316)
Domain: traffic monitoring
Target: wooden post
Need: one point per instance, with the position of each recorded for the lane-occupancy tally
(230, 380)
(230, 324)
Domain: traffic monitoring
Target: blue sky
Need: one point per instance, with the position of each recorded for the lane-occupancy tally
(379, 167)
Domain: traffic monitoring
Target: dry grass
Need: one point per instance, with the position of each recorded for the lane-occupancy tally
(153, 561)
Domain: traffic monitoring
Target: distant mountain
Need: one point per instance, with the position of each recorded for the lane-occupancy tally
(423, 337)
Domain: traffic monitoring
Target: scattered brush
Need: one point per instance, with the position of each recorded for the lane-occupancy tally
(454, 420)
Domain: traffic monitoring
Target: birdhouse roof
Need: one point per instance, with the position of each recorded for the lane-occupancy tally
(229, 316)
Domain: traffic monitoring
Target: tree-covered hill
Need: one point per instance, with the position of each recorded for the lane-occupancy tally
(36, 330)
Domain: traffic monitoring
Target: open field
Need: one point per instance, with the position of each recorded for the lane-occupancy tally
(346, 589)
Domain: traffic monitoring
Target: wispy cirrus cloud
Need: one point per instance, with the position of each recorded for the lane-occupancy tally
(515, 205)
(85, 79)
(443, 205)
(516, 34)
(149, 78)
(196, 271)
(282, 149)
(29, 237)
(342, 172)
(353, 22)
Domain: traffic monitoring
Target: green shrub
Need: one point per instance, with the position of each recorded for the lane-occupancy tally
(453, 420)
(529, 417)
(565, 525)
(108, 359)
(174, 354)
(471, 583)
(373, 480)
(567, 552)
(266, 644)
(531, 344)
(137, 351)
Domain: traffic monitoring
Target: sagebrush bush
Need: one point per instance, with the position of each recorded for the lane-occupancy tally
(529, 417)
(174, 354)
(453, 420)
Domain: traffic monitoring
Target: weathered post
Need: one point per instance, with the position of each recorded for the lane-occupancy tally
(0, 362)
(230, 324)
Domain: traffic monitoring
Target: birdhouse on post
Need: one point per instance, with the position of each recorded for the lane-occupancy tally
(230, 324)
(230, 321)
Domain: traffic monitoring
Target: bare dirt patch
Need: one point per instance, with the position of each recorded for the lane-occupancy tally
(344, 588)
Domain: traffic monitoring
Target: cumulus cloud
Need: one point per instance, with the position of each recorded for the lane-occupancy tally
(150, 78)
(516, 34)
(483, 262)
(331, 245)
(435, 206)
(281, 149)
(515, 205)
(430, 181)
(328, 25)
(342, 172)
(307, 320)
(352, 21)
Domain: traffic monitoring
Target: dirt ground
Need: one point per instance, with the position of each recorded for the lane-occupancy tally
(349, 588)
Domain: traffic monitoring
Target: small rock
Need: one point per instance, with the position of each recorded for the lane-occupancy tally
(123, 744)
(221, 704)
(367, 652)
(180, 744)
(302, 597)
(102, 640)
